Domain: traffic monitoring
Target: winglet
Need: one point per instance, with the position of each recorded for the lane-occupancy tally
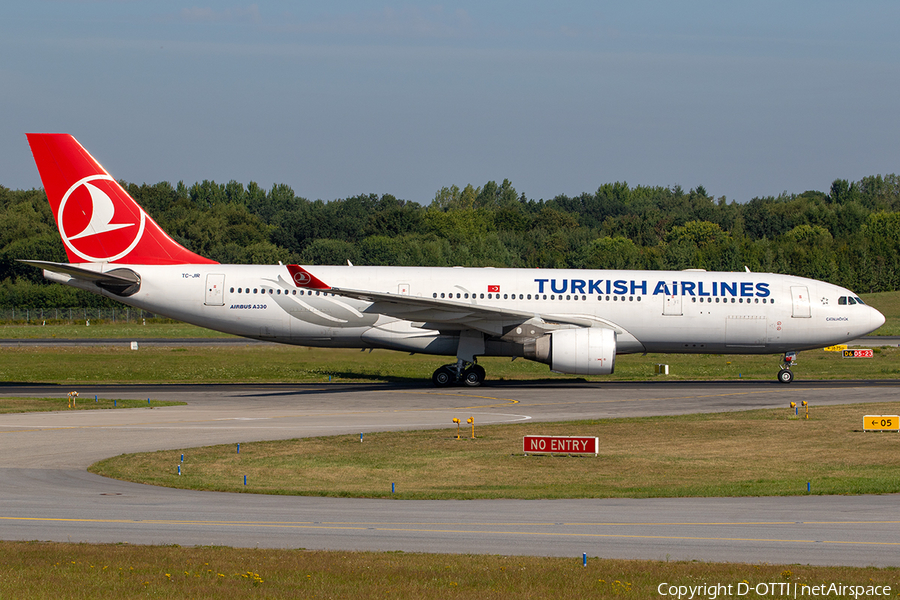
(304, 279)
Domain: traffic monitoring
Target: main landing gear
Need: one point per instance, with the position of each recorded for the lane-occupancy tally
(462, 373)
(785, 375)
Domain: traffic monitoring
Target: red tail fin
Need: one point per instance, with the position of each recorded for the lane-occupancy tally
(97, 219)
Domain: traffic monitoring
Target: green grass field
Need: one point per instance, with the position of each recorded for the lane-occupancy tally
(51, 571)
(753, 453)
(889, 305)
(156, 328)
(258, 363)
(20, 405)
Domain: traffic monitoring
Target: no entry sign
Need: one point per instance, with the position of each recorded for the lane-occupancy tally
(560, 444)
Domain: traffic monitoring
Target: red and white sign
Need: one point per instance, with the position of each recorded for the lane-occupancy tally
(859, 354)
(560, 444)
(493, 288)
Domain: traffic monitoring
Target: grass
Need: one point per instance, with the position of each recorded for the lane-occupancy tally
(55, 571)
(261, 363)
(889, 305)
(155, 328)
(22, 405)
(753, 453)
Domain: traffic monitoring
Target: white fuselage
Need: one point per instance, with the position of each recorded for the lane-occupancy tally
(651, 311)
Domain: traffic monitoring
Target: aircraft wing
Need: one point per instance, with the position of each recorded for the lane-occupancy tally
(436, 313)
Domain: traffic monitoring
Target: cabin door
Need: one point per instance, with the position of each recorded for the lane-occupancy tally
(800, 301)
(215, 289)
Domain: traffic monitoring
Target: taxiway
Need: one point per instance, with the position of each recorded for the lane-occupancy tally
(48, 495)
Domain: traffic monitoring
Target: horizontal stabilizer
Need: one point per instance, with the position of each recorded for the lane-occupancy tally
(120, 281)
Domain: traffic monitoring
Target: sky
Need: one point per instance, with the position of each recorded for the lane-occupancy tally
(348, 97)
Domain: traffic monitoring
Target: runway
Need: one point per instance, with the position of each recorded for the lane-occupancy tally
(47, 494)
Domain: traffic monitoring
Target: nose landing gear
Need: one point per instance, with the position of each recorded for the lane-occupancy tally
(785, 375)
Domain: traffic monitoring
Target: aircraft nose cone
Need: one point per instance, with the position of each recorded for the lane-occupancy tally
(876, 319)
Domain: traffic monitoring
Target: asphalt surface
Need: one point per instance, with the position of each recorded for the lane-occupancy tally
(48, 495)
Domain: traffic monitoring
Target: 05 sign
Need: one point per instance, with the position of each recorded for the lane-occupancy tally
(881, 423)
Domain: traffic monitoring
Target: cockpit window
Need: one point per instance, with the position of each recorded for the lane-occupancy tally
(843, 300)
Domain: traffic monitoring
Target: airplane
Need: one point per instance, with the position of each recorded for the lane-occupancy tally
(574, 320)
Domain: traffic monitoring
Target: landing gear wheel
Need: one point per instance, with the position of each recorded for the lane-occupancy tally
(443, 377)
(473, 376)
(785, 376)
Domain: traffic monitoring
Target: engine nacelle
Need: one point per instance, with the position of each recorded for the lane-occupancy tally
(583, 351)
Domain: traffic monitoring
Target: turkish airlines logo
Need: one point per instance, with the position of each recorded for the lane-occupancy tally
(97, 221)
(301, 278)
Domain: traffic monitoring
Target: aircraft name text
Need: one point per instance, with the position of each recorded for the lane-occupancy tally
(666, 288)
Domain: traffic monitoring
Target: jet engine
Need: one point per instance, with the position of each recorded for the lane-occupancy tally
(583, 351)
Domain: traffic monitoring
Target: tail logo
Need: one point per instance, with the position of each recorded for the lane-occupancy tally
(86, 224)
(301, 278)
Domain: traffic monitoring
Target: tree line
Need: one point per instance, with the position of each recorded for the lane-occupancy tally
(849, 236)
